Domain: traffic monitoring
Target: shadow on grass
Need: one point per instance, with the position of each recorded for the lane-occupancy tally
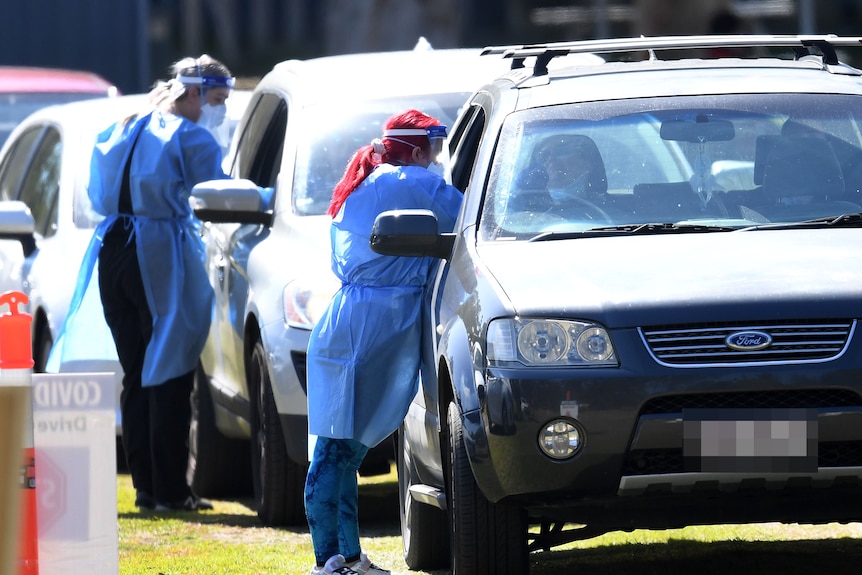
(206, 518)
(828, 556)
(378, 513)
(379, 517)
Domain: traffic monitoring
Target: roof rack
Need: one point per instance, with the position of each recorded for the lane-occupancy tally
(801, 44)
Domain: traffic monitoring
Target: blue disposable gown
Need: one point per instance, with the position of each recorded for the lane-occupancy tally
(172, 154)
(364, 353)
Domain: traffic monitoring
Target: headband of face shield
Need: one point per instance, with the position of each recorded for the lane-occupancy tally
(208, 81)
(433, 132)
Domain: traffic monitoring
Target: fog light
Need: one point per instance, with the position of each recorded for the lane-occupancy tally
(560, 439)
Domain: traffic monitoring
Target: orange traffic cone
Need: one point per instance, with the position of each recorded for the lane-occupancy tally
(16, 367)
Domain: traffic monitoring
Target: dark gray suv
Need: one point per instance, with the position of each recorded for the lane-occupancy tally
(646, 316)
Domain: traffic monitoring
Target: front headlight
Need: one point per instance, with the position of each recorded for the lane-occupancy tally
(549, 342)
(304, 300)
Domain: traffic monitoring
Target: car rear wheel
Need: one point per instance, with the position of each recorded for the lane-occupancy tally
(424, 532)
(218, 465)
(42, 349)
(278, 480)
(486, 538)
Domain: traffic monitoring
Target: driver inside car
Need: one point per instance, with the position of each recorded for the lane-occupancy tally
(568, 180)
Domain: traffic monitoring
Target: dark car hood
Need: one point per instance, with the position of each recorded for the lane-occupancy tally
(682, 278)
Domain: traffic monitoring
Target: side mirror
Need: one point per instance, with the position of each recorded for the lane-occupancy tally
(232, 202)
(411, 233)
(17, 223)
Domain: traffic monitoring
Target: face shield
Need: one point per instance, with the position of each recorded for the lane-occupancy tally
(208, 81)
(436, 136)
(213, 115)
(214, 91)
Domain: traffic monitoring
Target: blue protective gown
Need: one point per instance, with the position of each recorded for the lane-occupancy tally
(364, 353)
(172, 154)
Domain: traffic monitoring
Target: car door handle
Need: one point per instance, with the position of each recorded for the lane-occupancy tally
(220, 263)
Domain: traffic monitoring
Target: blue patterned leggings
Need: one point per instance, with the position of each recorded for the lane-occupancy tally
(332, 498)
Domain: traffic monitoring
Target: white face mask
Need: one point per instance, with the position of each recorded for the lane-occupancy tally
(212, 116)
(436, 168)
(212, 119)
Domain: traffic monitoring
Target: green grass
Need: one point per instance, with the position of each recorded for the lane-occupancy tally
(230, 541)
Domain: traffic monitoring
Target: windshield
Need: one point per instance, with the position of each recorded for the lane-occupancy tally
(725, 161)
(321, 159)
(15, 107)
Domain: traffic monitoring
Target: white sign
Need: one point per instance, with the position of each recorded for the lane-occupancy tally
(76, 473)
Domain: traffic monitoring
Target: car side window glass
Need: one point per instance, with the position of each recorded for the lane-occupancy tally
(230, 159)
(42, 183)
(259, 151)
(464, 156)
(16, 163)
(458, 128)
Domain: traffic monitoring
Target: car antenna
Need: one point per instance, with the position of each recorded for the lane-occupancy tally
(422, 45)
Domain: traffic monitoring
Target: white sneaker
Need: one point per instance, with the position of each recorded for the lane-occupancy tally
(334, 566)
(365, 567)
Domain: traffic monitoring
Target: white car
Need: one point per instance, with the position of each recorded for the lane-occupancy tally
(46, 220)
(269, 257)
(25, 89)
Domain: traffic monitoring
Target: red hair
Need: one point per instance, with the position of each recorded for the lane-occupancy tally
(365, 159)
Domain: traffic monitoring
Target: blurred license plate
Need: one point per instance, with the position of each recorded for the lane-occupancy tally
(750, 440)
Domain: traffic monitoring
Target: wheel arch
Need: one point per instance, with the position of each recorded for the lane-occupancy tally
(455, 383)
(461, 380)
(456, 373)
(41, 327)
(250, 336)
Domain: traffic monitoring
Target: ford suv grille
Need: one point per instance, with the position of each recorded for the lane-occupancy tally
(733, 344)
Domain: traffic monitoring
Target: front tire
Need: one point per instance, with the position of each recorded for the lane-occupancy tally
(424, 531)
(486, 538)
(279, 482)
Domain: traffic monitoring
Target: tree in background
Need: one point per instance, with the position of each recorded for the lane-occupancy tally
(252, 35)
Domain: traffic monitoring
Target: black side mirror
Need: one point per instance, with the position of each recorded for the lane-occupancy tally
(410, 233)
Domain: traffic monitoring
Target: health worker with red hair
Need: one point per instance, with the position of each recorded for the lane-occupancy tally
(364, 353)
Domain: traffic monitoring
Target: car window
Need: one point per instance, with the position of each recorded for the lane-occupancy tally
(16, 162)
(42, 183)
(464, 155)
(259, 150)
(238, 102)
(333, 139)
(720, 160)
(84, 216)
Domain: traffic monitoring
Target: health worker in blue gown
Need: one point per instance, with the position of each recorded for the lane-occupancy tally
(154, 289)
(364, 353)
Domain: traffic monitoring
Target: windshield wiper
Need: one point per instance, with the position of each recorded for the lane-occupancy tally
(842, 221)
(632, 229)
